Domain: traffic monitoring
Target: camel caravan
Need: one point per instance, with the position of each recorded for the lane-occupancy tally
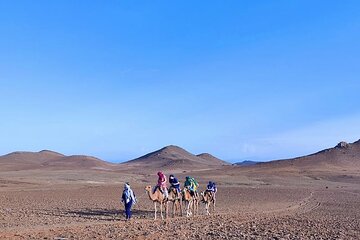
(176, 197)
(188, 197)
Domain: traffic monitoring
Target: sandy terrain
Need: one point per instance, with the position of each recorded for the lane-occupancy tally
(84, 205)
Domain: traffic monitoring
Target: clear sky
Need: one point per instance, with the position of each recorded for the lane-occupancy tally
(243, 80)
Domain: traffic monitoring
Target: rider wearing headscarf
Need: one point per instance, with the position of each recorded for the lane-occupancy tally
(211, 187)
(162, 183)
(128, 198)
(191, 184)
(174, 182)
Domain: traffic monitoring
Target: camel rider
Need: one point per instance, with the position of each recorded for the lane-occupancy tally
(162, 184)
(211, 187)
(191, 184)
(174, 182)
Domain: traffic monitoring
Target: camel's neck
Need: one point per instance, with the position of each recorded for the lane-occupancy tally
(152, 195)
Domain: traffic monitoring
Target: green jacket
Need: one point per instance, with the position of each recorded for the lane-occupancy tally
(192, 183)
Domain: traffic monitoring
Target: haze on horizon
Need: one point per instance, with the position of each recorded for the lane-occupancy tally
(241, 80)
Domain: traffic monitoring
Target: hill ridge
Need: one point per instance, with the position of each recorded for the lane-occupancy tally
(173, 156)
(26, 160)
(342, 155)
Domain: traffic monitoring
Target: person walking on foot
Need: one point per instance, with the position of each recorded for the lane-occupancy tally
(128, 198)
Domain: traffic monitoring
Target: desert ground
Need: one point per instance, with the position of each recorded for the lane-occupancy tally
(268, 201)
(84, 205)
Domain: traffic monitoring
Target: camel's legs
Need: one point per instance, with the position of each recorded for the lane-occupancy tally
(187, 204)
(174, 206)
(207, 206)
(161, 210)
(214, 201)
(195, 207)
(166, 209)
(195, 204)
(155, 209)
(180, 206)
(189, 207)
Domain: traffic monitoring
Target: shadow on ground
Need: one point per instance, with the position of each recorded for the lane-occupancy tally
(99, 214)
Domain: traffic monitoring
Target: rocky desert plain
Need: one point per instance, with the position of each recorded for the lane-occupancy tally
(46, 195)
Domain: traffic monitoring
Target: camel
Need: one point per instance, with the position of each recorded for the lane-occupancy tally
(208, 198)
(190, 202)
(176, 198)
(158, 197)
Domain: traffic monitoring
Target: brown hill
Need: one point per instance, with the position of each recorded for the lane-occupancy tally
(210, 158)
(342, 156)
(80, 162)
(46, 159)
(174, 157)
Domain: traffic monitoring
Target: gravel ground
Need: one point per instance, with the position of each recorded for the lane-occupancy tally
(243, 212)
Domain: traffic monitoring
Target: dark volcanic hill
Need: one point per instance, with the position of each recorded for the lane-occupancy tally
(49, 160)
(342, 156)
(174, 157)
(246, 163)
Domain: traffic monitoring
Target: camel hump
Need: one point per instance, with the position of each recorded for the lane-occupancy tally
(163, 193)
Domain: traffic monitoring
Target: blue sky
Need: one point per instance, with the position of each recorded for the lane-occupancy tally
(254, 80)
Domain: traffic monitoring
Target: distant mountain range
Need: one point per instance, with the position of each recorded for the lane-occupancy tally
(170, 157)
(342, 156)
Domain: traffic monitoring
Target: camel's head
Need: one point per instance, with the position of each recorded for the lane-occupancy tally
(148, 188)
